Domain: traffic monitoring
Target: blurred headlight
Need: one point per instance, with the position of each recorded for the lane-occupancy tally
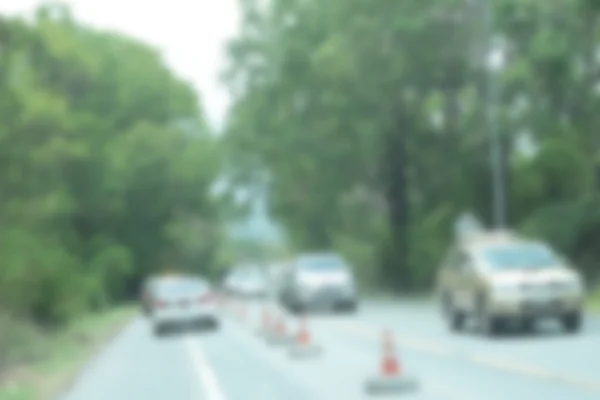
(304, 288)
(349, 286)
(305, 291)
(353, 284)
(574, 286)
(506, 289)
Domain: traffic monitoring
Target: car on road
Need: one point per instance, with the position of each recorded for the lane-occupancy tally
(184, 303)
(498, 278)
(149, 289)
(146, 295)
(247, 281)
(275, 273)
(319, 280)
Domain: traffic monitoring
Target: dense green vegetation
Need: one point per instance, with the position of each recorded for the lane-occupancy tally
(106, 165)
(368, 123)
(371, 119)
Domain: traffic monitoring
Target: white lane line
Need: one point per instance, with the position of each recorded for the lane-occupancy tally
(208, 379)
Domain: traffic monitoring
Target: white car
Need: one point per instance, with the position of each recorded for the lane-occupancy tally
(317, 280)
(247, 282)
(276, 272)
(252, 284)
(149, 290)
(184, 303)
(230, 282)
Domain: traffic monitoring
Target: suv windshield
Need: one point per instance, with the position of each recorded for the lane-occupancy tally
(322, 263)
(182, 288)
(521, 256)
(249, 274)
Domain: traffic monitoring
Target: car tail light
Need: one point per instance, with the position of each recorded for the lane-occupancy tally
(206, 298)
(160, 304)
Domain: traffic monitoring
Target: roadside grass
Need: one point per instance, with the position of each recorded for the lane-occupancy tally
(48, 362)
(594, 301)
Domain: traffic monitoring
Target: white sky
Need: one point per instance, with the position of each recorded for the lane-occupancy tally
(190, 33)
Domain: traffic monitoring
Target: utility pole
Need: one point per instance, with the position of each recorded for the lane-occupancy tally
(492, 89)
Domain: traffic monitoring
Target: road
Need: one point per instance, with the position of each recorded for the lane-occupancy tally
(237, 364)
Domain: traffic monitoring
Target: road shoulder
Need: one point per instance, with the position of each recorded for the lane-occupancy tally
(64, 354)
(594, 302)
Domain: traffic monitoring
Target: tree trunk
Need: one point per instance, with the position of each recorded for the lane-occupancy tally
(396, 272)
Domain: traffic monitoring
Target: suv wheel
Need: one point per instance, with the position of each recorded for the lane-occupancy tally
(349, 307)
(487, 324)
(572, 322)
(214, 324)
(456, 319)
(160, 330)
(297, 308)
(528, 324)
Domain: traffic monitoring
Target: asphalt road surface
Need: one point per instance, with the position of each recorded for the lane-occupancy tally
(235, 363)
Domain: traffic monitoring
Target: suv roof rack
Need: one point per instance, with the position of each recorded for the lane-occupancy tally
(468, 228)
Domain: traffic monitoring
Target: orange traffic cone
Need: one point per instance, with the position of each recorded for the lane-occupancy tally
(280, 328)
(238, 311)
(389, 364)
(303, 337)
(303, 345)
(265, 323)
(266, 319)
(392, 378)
(279, 334)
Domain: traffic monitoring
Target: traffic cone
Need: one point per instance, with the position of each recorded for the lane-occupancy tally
(278, 334)
(242, 312)
(391, 375)
(265, 322)
(229, 306)
(303, 345)
(389, 364)
(238, 311)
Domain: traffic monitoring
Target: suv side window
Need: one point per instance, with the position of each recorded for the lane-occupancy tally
(459, 261)
(452, 259)
(465, 264)
(290, 275)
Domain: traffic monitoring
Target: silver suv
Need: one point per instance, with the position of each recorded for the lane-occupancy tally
(319, 280)
(498, 278)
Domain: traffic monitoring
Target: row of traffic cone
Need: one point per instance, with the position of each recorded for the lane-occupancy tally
(390, 379)
(275, 332)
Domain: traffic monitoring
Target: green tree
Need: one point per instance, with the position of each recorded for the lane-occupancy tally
(106, 168)
(371, 121)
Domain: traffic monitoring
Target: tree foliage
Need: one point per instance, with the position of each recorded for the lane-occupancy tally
(105, 168)
(371, 118)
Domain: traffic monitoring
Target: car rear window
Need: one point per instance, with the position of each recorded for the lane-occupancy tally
(182, 288)
(322, 263)
(533, 256)
(250, 274)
